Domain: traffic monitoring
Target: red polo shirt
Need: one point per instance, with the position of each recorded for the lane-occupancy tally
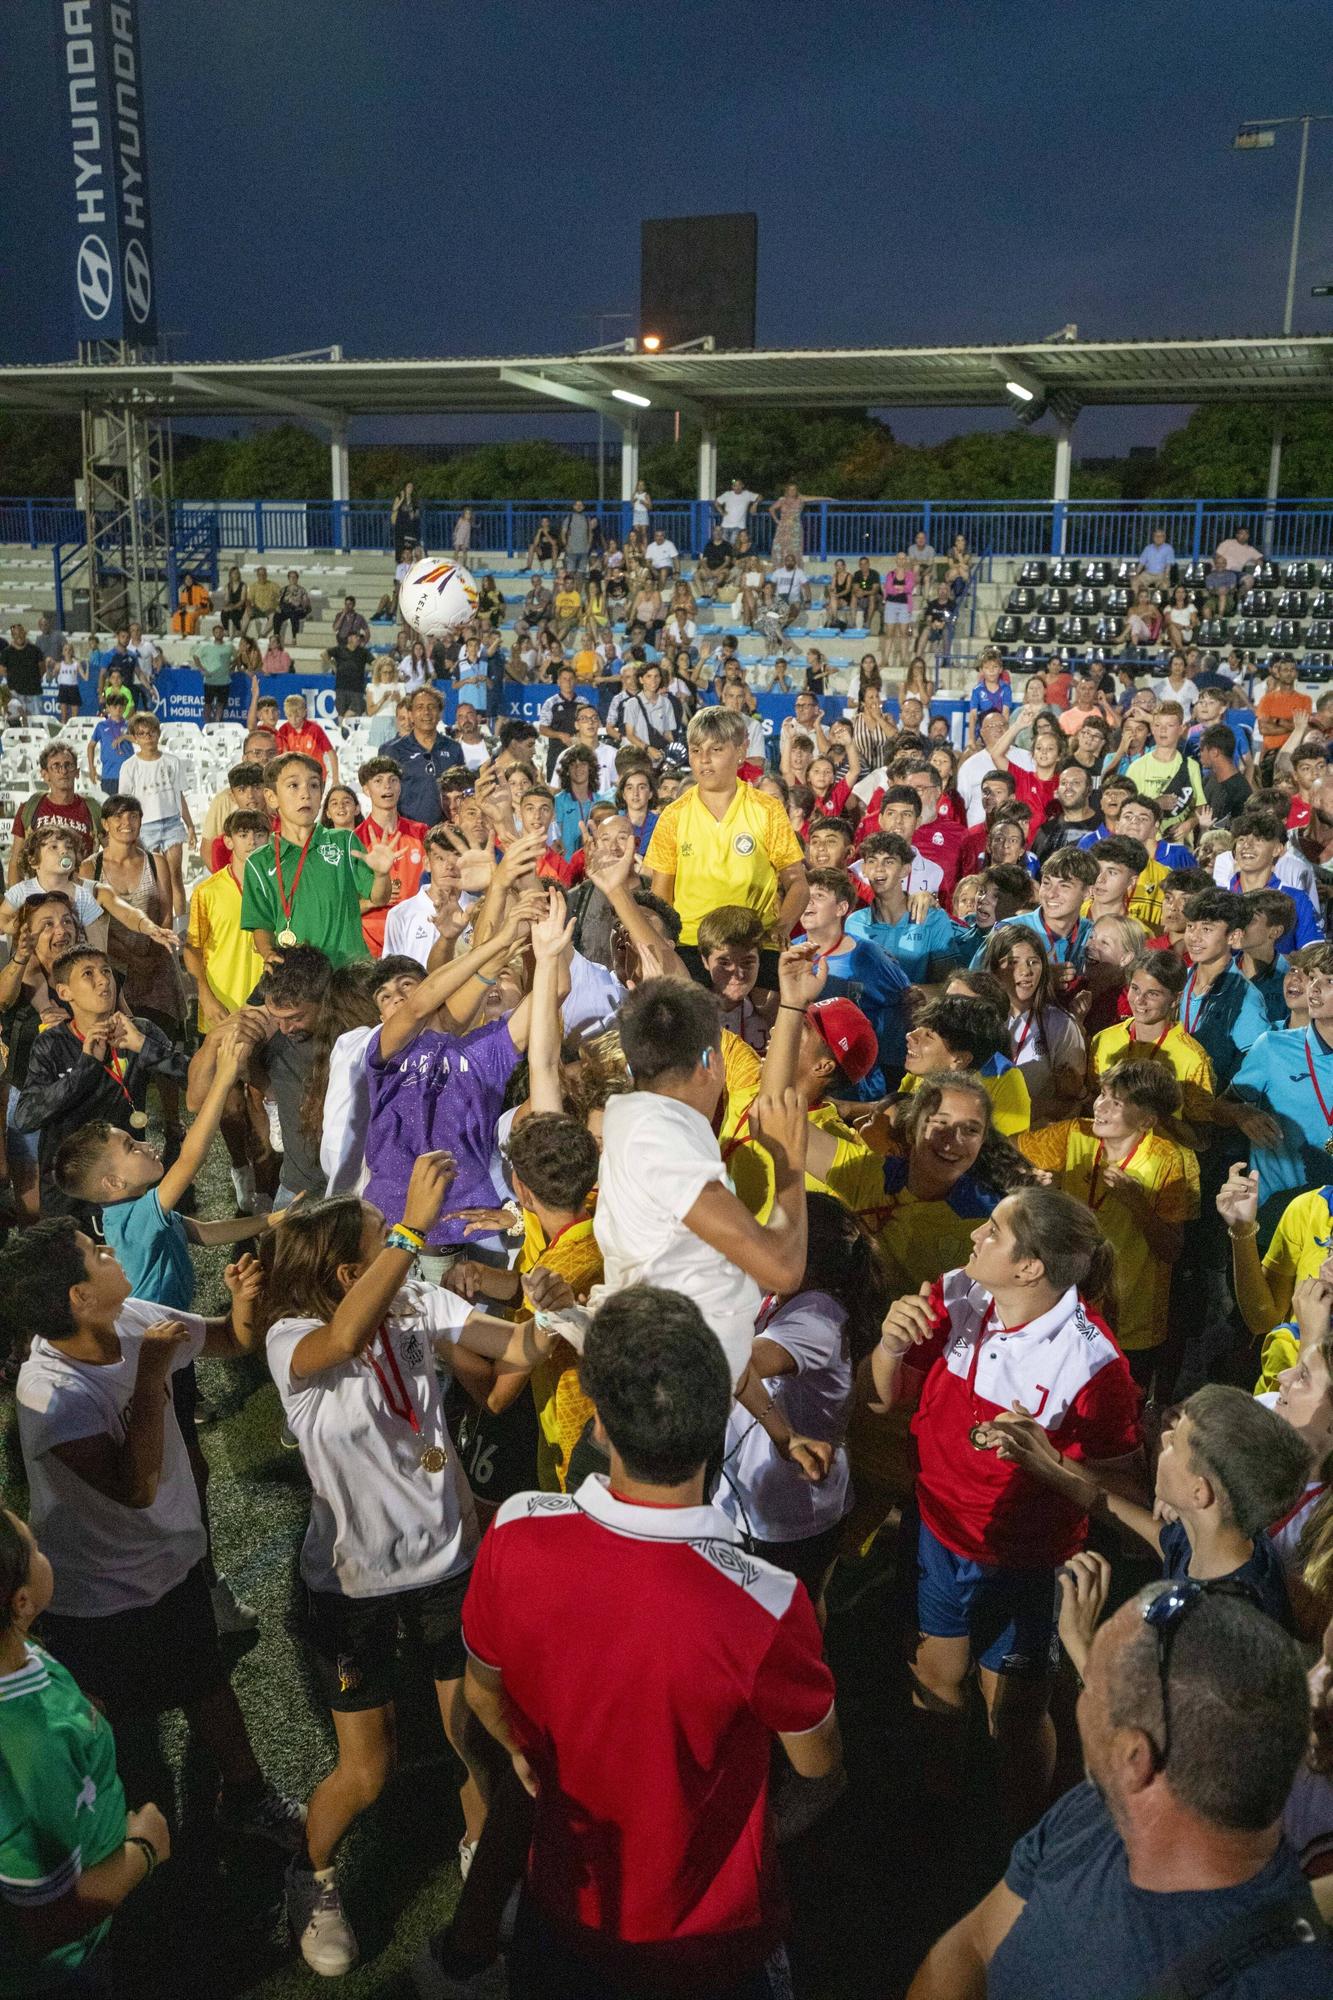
(409, 837)
(647, 1663)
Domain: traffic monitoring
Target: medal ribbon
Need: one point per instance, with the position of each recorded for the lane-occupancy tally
(1097, 1167)
(288, 904)
(395, 1391)
(115, 1069)
(1309, 1064)
(1134, 1036)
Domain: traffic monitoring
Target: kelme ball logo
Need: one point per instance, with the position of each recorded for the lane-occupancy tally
(94, 276)
(744, 843)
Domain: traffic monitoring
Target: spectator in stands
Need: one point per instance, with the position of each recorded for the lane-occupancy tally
(1281, 704)
(300, 734)
(788, 546)
(68, 674)
(1176, 685)
(899, 596)
(348, 622)
(110, 742)
(193, 601)
(1194, 1720)
(1143, 623)
(543, 548)
(715, 567)
(867, 596)
(215, 659)
(662, 555)
(423, 758)
(232, 602)
(21, 666)
(1234, 557)
(350, 661)
(1182, 618)
(56, 804)
(294, 607)
(734, 509)
(576, 538)
(1157, 557)
(276, 660)
(261, 601)
(1225, 786)
(539, 603)
(49, 642)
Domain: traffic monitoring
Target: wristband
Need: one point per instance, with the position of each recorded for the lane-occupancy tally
(146, 1847)
(482, 980)
(1244, 1234)
(405, 1239)
(790, 1006)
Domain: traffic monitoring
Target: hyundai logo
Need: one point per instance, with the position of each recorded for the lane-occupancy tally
(95, 277)
(138, 281)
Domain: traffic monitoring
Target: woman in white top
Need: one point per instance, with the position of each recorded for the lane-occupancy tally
(385, 695)
(1048, 1046)
(414, 668)
(641, 504)
(68, 672)
(751, 572)
(354, 1349)
(806, 1348)
(463, 536)
(1176, 685)
(1182, 615)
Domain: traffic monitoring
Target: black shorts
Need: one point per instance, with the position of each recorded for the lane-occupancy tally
(140, 1662)
(354, 1640)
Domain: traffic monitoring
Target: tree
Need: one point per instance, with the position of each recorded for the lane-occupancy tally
(1221, 453)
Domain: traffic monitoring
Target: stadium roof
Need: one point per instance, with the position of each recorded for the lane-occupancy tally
(1270, 368)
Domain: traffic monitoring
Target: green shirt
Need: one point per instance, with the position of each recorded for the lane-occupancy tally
(326, 906)
(62, 1810)
(1179, 775)
(215, 659)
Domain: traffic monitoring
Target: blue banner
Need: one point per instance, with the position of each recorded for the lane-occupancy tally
(101, 96)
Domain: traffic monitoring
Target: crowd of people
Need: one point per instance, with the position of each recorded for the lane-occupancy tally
(666, 1162)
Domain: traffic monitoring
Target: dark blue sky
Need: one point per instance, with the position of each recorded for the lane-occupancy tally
(411, 177)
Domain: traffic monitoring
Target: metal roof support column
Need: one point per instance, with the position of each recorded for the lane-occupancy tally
(629, 458)
(708, 463)
(1064, 458)
(339, 481)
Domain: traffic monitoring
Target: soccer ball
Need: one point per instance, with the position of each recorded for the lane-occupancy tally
(437, 597)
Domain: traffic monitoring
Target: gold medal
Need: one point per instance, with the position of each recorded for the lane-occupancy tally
(433, 1458)
(286, 939)
(139, 1120)
(977, 1438)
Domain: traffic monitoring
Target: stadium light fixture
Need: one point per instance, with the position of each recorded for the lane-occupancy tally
(1021, 391)
(651, 342)
(1250, 137)
(628, 396)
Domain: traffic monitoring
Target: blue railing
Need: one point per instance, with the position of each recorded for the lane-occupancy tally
(1283, 529)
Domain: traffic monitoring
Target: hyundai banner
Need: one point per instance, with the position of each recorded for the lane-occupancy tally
(102, 126)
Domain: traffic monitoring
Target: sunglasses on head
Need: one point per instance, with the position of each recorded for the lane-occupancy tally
(1166, 1613)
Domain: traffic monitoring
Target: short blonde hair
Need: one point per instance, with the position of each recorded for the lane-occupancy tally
(718, 725)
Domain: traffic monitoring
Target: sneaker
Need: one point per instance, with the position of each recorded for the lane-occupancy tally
(315, 1913)
(267, 1816)
(438, 1975)
(243, 1181)
(466, 1849)
(228, 1610)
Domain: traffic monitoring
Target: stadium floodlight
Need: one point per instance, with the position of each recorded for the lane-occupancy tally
(1026, 393)
(1021, 391)
(1251, 136)
(651, 342)
(628, 396)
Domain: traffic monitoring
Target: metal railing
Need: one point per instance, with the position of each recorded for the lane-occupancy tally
(1283, 529)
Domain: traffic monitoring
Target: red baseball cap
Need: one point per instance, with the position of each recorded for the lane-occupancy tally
(851, 1040)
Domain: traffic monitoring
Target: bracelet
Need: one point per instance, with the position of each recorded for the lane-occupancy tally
(482, 980)
(146, 1847)
(1243, 1234)
(402, 1238)
(790, 1006)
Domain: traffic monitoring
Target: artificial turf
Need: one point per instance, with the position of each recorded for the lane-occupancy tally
(871, 1885)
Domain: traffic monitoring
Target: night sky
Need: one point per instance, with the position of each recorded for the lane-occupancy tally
(411, 177)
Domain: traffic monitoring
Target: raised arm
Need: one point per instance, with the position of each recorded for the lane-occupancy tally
(772, 1253)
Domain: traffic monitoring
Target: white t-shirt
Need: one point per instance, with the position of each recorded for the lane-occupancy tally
(976, 767)
(107, 1557)
(661, 555)
(87, 909)
(342, 1145)
(778, 1503)
(156, 784)
(658, 1156)
(1186, 694)
(605, 753)
(595, 998)
(379, 1521)
(409, 928)
(736, 507)
(474, 754)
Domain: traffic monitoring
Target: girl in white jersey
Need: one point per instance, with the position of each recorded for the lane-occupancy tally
(354, 1347)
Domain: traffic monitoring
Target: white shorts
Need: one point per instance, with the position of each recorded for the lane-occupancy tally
(160, 834)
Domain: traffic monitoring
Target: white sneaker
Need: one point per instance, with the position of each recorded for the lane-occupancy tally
(243, 1181)
(466, 1849)
(230, 1614)
(315, 1913)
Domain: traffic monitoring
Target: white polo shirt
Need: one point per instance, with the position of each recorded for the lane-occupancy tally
(380, 1522)
(107, 1557)
(658, 1156)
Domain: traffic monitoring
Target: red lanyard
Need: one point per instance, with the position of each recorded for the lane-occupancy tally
(1022, 1042)
(1053, 942)
(115, 1069)
(1309, 1064)
(288, 905)
(395, 1393)
(1160, 1039)
(1187, 1019)
(738, 1137)
(1097, 1167)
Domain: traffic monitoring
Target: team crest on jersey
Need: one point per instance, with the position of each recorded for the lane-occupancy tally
(744, 843)
(333, 855)
(413, 1352)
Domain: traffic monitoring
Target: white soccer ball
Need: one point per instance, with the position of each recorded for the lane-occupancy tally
(437, 597)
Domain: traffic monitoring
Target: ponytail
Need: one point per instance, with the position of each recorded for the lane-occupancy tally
(1066, 1239)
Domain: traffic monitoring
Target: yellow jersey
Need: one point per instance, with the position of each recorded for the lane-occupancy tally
(1011, 1106)
(231, 963)
(855, 1177)
(562, 1408)
(1185, 1057)
(1169, 1176)
(733, 860)
(1299, 1250)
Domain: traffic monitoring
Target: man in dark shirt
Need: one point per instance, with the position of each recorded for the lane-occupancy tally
(867, 597)
(1225, 787)
(21, 665)
(1194, 1720)
(349, 663)
(1077, 815)
(714, 567)
(425, 756)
